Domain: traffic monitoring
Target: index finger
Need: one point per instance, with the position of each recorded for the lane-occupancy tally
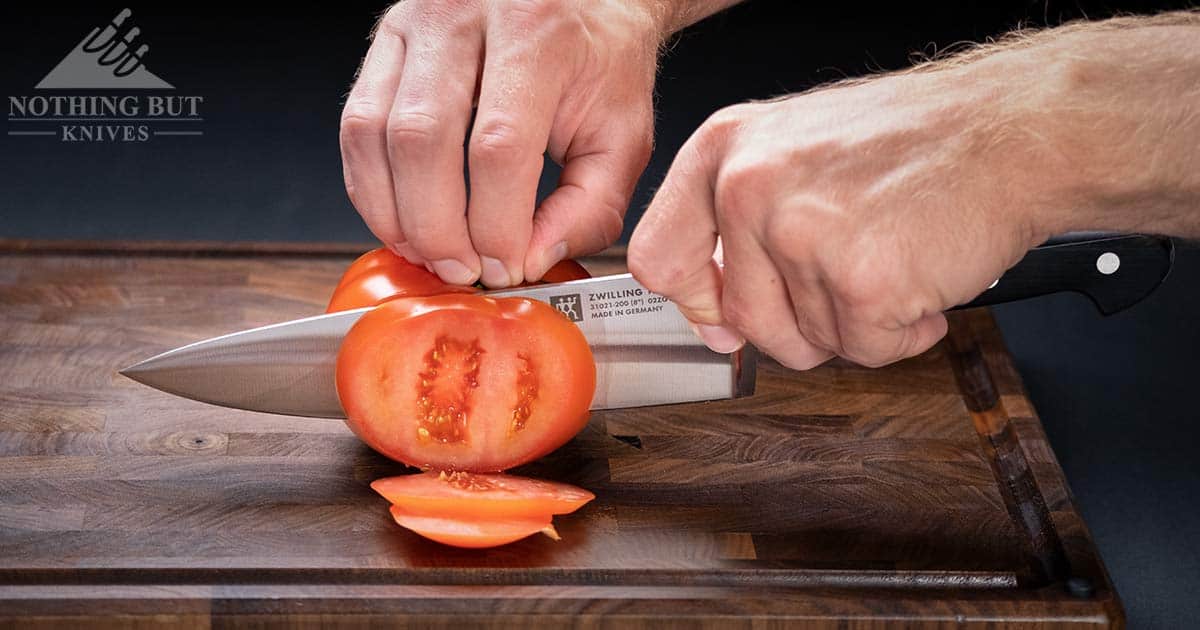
(363, 138)
(671, 250)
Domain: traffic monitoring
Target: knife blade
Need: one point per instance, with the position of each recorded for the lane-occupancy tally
(645, 351)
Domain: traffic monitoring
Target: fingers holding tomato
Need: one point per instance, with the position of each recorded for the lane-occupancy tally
(381, 275)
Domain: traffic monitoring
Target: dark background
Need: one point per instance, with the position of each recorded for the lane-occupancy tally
(1114, 393)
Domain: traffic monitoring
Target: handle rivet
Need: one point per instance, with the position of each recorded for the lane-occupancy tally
(1108, 263)
(1080, 587)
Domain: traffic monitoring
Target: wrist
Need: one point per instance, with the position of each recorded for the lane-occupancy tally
(673, 16)
(1039, 136)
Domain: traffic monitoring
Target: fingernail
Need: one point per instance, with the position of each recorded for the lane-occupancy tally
(495, 274)
(453, 271)
(553, 256)
(719, 338)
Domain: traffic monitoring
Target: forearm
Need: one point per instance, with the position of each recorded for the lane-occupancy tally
(1108, 124)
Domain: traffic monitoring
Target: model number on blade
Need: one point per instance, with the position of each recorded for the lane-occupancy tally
(608, 304)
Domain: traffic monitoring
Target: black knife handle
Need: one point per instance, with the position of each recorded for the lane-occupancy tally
(1115, 270)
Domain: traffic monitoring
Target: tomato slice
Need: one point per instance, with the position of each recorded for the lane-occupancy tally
(473, 495)
(380, 275)
(465, 382)
(473, 533)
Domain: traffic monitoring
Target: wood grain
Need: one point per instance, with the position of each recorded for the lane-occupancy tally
(923, 493)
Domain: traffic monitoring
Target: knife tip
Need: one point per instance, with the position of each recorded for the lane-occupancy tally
(131, 371)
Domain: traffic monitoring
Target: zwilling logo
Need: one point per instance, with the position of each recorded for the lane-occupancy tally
(567, 305)
(110, 58)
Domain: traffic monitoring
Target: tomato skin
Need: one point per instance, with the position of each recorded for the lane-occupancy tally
(472, 495)
(403, 369)
(380, 275)
(472, 533)
(562, 271)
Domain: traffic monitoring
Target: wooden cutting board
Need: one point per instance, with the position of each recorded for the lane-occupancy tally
(923, 493)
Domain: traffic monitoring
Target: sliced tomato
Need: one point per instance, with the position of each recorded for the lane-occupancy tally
(473, 533)
(380, 275)
(474, 495)
(465, 382)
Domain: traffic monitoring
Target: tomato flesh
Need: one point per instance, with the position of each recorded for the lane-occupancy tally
(472, 533)
(380, 275)
(465, 382)
(473, 495)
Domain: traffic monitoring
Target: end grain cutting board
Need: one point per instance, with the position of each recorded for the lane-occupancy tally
(922, 493)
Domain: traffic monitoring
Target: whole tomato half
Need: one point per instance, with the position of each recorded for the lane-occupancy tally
(465, 382)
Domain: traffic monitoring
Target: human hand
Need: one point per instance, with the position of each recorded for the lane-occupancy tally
(571, 79)
(851, 217)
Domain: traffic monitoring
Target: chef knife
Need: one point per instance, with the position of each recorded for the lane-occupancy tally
(645, 351)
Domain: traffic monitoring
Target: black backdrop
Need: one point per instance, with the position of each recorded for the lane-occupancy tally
(1113, 392)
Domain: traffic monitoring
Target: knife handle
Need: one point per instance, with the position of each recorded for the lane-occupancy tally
(1115, 270)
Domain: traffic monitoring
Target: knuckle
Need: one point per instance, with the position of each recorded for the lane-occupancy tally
(361, 121)
(736, 191)
(532, 12)
(609, 223)
(786, 234)
(394, 20)
(413, 128)
(721, 120)
(496, 141)
(861, 286)
(724, 122)
(655, 274)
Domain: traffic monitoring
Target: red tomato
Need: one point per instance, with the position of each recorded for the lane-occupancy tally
(473, 533)
(472, 495)
(562, 271)
(465, 382)
(380, 275)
